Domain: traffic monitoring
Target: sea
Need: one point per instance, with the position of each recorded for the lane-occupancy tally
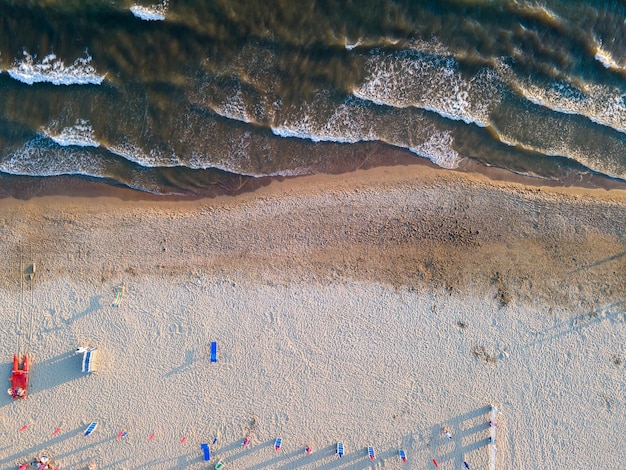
(183, 96)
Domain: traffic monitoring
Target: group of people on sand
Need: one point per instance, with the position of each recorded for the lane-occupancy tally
(40, 463)
(17, 392)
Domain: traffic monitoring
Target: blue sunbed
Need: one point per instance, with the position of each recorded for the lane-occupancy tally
(340, 449)
(214, 351)
(207, 451)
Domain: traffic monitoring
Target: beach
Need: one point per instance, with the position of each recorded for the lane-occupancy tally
(380, 307)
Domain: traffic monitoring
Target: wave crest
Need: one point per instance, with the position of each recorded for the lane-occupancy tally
(431, 82)
(152, 13)
(80, 134)
(53, 70)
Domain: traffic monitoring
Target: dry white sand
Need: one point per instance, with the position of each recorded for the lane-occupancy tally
(376, 308)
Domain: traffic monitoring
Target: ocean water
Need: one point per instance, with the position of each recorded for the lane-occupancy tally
(180, 96)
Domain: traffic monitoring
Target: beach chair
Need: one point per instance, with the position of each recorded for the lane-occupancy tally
(214, 351)
(339, 449)
(246, 442)
(89, 356)
(371, 453)
(219, 464)
(278, 443)
(207, 451)
(119, 294)
(402, 455)
(91, 428)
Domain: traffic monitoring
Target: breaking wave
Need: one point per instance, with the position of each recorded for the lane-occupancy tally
(53, 70)
(431, 82)
(81, 134)
(153, 13)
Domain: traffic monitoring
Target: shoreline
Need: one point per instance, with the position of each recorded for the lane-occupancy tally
(25, 187)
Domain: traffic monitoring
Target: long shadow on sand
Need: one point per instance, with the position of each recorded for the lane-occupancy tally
(360, 460)
(576, 324)
(55, 371)
(221, 453)
(112, 465)
(271, 463)
(602, 261)
(182, 461)
(5, 371)
(324, 453)
(94, 305)
(187, 363)
(470, 431)
(27, 455)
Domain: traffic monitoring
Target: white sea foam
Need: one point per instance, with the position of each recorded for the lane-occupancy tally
(303, 131)
(430, 82)
(348, 123)
(53, 70)
(150, 159)
(234, 108)
(607, 60)
(147, 14)
(349, 47)
(41, 157)
(356, 122)
(438, 149)
(80, 134)
(558, 139)
(127, 151)
(602, 104)
(152, 13)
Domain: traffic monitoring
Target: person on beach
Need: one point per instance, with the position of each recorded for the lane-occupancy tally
(18, 392)
(43, 463)
(448, 434)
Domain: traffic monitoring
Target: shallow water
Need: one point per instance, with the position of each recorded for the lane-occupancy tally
(175, 97)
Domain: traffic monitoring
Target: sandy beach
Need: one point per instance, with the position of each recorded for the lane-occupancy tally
(376, 308)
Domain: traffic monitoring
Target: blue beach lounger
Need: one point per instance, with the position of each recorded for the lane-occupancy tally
(278, 443)
(340, 449)
(90, 428)
(213, 351)
(402, 455)
(371, 453)
(207, 451)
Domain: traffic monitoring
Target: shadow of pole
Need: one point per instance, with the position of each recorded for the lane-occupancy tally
(94, 305)
(469, 432)
(271, 463)
(578, 323)
(187, 363)
(324, 453)
(221, 453)
(598, 263)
